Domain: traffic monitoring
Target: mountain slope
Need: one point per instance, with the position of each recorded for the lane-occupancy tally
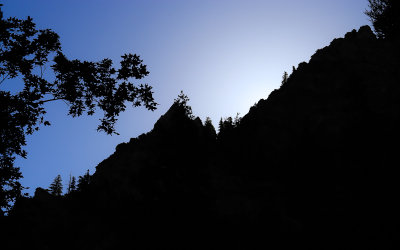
(317, 159)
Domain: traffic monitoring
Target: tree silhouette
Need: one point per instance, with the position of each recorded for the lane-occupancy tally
(182, 101)
(220, 125)
(83, 181)
(71, 184)
(237, 120)
(284, 78)
(211, 133)
(225, 127)
(84, 86)
(385, 17)
(56, 187)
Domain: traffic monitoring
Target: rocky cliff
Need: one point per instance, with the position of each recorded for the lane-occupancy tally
(315, 164)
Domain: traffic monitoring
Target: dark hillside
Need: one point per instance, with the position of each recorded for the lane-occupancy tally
(329, 136)
(316, 164)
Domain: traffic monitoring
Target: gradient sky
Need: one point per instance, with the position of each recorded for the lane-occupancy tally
(224, 54)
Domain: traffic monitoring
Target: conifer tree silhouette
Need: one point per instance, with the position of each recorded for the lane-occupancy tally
(211, 133)
(83, 181)
(284, 78)
(71, 184)
(56, 186)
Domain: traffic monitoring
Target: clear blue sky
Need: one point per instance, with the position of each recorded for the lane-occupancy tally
(224, 54)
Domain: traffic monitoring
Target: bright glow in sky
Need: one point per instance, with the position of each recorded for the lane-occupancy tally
(224, 54)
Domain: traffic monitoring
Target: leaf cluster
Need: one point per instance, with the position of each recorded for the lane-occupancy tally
(86, 87)
(385, 17)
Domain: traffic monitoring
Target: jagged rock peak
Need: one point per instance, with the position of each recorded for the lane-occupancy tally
(176, 117)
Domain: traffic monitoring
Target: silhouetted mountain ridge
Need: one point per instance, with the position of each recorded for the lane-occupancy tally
(316, 160)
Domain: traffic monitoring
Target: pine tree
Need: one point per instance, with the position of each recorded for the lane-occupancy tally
(237, 120)
(56, 187)
(83, 181)
(225, 127)
(284, 78)
(220, 125)
(71, 184)
(210, 128)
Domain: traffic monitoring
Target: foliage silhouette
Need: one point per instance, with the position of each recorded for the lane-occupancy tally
(385, 17)
(225, 126)
(56, 186)
(236, 120)
(314, 165)
(182, 101)
(71, 185)
(210, 128)
(316, 161)
(284, 78)
(83, 181)
(84, 86)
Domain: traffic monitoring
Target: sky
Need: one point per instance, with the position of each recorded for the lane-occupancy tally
(224, 54)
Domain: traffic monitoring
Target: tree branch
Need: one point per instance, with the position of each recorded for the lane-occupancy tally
(50, 100)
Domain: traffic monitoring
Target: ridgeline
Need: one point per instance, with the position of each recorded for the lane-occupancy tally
(316, 165)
